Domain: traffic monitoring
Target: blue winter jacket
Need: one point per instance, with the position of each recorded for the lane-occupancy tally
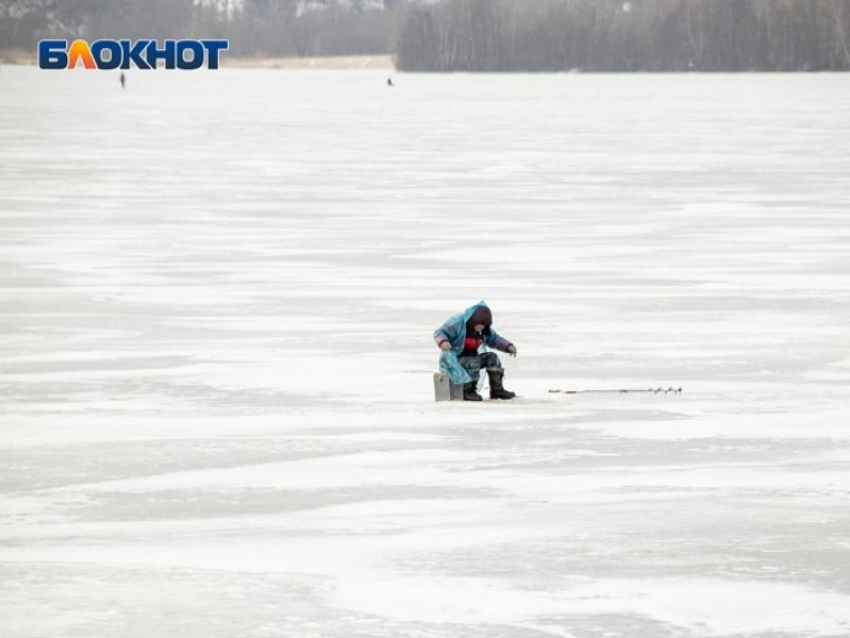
(454, 331)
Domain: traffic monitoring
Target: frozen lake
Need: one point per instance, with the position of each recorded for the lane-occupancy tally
(217, 294)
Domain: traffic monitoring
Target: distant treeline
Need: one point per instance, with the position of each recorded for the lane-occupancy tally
(636, 35)
(474, 35)
(254, 27)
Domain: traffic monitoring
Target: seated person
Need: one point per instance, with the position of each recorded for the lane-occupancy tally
(460, 339)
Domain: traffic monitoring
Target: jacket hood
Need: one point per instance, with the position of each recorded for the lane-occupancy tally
(479, 313)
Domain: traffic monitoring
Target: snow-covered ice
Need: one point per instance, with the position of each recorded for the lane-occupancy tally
(217, 294)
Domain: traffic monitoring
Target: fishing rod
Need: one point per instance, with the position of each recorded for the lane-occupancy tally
(621, 391)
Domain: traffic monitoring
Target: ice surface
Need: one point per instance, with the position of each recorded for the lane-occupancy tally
(217, 293)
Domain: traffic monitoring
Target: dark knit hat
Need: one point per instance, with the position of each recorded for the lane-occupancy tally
(481, 315)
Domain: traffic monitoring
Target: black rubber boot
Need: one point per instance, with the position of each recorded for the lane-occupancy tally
(497, 390)
(469, 393)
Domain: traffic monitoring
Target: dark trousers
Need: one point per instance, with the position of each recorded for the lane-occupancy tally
(473, 364)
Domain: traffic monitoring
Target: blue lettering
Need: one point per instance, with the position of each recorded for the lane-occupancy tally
(167, 53)
(99, 47)
(134, 54)
(142, 54)
(213, 47)
(197, 51)
(53, 54)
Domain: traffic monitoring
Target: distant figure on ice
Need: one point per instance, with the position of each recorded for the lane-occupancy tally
(460, 338)
(390, 82)
(123, 80)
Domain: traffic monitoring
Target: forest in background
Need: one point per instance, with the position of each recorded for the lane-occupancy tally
(637, 35)
(474, 35)
(268, 28)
